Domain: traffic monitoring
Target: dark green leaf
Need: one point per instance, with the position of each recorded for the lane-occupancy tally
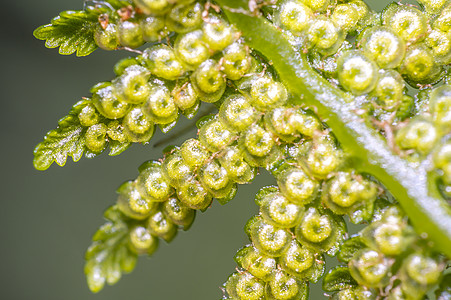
(72, 31)
(337, 279)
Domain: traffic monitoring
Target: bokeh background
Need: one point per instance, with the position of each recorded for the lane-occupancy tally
(47, 218)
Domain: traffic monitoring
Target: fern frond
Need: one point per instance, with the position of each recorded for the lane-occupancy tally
(109, 256)
(71, 31)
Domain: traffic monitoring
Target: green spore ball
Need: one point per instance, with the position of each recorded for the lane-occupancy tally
(237, 113)
(267, 94)
(138, 127)
(191, 49)
(282, 122)
(107, 38)
(442, 161)
(160, 107)
(345, 16)
(214, 135)
(285, 287)
(440, 107)
(322, 157)
(294, 16)
(297, 186)
(194, 153)
(132, 86)
(259, 144)
(324, 36)
(185, 17)
(389, 90)
(178, 213)
(419, 135)
(88, 115)
(306, 123)
(176, 169)
(154, 7)
(95, 138)
(256, 263)
(162, 61)
(152, 28)
(121, 65)
(215, 179)
(152, 183)
(346, 192)
(236, 61)
(218, 34)
(129, 33)
(232, 159)
(230, 286)
(383, 45)
(357, 73)
(193, 194)
(420, 66)
(116, 132)
(419, 273)
(440, 44)
(302, 263)
(209, 81)
(316, 5)
(107, 103)
(360, 293)
(362, 10)
(140, 241)
(278, 211)
(244, 286)
(269, 239)
(370, 268)
(132, 204)
(319, 232)
(407, 21)
(433, 6)
(390, 235)
(249, 287)
(161, 226)
(185, 96)
(443, 20)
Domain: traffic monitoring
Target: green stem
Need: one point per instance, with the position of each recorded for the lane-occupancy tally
(368, 150)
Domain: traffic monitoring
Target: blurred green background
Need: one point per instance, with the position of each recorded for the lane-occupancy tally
(47, 218)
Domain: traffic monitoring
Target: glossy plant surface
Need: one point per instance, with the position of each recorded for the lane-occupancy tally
(326, 109)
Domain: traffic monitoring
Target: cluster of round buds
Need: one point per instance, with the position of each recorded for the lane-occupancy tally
(427, 132)
(350, 194)
(395, 47)
(391, 249)
(154, 88)
(147, 21)
(199, 35)
(310, 24)
(243, 285)
(289, 241)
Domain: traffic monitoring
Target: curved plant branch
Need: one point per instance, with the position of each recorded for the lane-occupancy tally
(369, 153)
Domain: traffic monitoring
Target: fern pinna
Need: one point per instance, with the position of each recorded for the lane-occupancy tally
(348, 108)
